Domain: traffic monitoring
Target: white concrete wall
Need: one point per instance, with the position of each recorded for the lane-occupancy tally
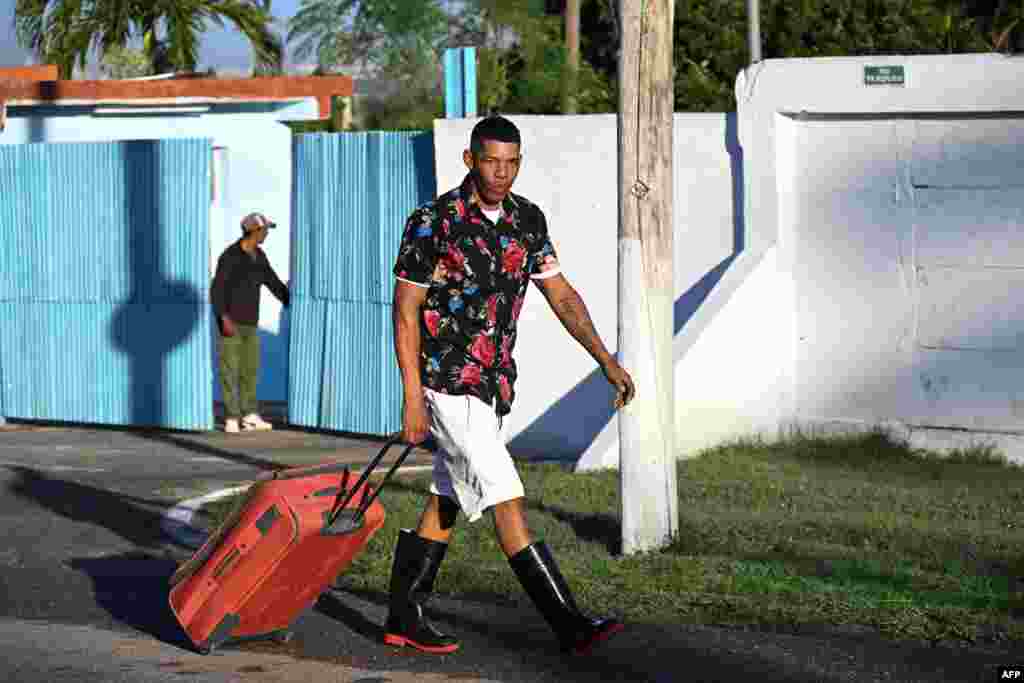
(563, 408)
(898, 212)
(845, 255)
(255, 175)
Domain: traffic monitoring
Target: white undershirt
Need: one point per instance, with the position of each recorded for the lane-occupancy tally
(494, 214)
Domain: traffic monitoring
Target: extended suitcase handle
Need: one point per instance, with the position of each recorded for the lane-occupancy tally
(343, 521)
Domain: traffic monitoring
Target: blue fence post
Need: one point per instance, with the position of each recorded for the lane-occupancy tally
(453, 84)
(460, 82)
(469, 80)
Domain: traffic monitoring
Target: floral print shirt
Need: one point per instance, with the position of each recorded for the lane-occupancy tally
(477, 273)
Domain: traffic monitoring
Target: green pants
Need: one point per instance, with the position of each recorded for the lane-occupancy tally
(239, 370)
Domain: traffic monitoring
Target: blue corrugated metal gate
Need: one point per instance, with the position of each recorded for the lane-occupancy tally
(352, 194)
(104, 277)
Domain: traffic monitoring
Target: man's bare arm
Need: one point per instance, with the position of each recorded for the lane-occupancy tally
(406, 319)
(568, 307)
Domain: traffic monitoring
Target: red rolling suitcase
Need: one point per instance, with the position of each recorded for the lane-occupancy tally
(285, 542)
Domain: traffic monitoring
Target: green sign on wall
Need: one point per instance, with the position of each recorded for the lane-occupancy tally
(884, 75)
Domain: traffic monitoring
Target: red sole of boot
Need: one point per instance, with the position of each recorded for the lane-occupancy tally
(402, 641)
(584, 648)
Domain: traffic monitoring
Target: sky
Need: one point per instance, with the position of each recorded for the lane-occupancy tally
(222, 49)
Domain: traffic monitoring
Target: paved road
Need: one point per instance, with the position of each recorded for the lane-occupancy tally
(84, 571)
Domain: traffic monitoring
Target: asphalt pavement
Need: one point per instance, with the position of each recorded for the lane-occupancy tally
(83, 587)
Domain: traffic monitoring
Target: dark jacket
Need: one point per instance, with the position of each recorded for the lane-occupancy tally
(236, 284)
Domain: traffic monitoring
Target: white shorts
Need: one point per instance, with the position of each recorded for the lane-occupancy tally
(472, 466)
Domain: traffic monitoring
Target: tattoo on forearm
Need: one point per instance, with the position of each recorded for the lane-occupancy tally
(576, 318)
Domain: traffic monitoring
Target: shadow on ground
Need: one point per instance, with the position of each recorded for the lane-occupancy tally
(185, 443)
(134, 519)
(189, 441)
(513, 643)
(593, 527)
(133, 588)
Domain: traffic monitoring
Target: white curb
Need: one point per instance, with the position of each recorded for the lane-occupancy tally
(177, 522)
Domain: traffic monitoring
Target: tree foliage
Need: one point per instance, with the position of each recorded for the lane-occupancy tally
(710, 36)
(522, 58)
(125, 62)
(67, 32)
(414, 96)
(520, 55)
(381, 32)
(400, 42)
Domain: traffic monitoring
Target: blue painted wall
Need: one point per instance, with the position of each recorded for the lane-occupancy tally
(250, 171)
(353, 193)
(103, 283)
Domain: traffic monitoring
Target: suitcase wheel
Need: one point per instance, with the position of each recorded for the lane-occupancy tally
(220, 635)
(283, 637)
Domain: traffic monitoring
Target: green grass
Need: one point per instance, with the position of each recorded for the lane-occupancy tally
(858, 532)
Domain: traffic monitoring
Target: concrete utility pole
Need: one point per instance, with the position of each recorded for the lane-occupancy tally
(572, 46)
(647, 458)
(754, 30)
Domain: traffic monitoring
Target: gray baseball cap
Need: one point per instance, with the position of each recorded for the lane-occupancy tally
(257, 220)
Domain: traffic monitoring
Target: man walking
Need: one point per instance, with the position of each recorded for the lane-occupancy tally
(462, 272)
(241, 270)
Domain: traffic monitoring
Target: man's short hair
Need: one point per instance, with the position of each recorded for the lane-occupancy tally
(494, 128)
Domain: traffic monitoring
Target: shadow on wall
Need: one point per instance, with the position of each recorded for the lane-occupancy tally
(160, 313)
(587, 408)
(689, 303)
(273, 377)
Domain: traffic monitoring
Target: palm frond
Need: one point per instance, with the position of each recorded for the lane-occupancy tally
(30, 23)
(255, 23)
(361, 31)
(183, 23)
(67, 32)
(319, 29)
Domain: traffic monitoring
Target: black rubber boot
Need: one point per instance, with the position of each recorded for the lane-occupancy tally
(412, 581)
(539, 575)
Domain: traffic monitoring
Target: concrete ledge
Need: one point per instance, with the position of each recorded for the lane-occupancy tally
(942, 441)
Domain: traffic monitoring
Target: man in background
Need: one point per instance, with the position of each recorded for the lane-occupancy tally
(242, 270)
